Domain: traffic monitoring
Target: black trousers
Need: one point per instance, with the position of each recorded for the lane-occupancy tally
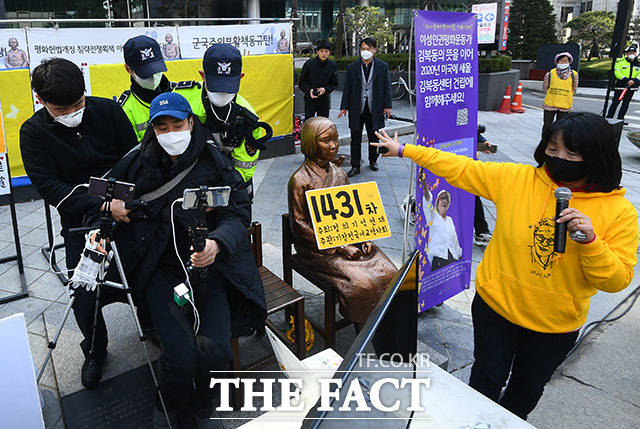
(502, 348)
(187, 359)
(550, 116)
(479, 223)
(356, 139)
(85, 302)
(437, 262)
(625, 103)
(318, 105)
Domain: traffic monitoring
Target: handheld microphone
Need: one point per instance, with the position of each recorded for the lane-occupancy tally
(563, 195)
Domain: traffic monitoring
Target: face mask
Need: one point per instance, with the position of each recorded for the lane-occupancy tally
(70, 120)
(175, 143)
(149, 83)
(220, 99)
(366, 55)
(562, 170)
(631, 57)
(563, 66)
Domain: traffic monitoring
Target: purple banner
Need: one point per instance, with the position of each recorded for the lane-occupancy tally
(447, 111)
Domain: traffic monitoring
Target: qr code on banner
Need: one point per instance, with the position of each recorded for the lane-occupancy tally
(462, 117)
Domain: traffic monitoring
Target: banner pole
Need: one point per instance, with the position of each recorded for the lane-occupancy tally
(16, 237)
(410, 199)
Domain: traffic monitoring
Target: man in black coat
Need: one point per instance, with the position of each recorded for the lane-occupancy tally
(70, 139)
(318, 79)
(230, 302)
(367, 99)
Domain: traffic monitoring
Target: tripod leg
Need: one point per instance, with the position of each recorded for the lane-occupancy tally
(52, 345)
(92, 352)
(116, 256)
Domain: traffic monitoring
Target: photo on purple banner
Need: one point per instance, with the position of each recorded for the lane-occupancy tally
(447, 104)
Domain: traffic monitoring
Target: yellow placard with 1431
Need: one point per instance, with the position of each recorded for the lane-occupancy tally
(347, 214)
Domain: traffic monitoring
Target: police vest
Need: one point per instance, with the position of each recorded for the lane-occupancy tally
(244, 162)
(625, 70)
(137, 110)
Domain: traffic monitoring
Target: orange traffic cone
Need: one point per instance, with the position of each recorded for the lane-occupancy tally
(516, 104)
(504, 106)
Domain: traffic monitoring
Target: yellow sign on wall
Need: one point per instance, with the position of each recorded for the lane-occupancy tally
(17, 107)
(347, 214)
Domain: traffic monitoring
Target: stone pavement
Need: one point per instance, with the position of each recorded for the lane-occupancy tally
(446, 329)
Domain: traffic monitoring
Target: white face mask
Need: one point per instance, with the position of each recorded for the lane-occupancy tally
(563, 66)
(175, 142)
(220, 99)
(366, 55)
(631, 57)
(70, 120)
(149, 83)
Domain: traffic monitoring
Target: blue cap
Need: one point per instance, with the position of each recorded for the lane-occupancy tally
(222, 64)
(144, 56)
(169, 104)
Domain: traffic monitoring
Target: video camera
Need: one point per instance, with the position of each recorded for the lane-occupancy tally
(241, 129)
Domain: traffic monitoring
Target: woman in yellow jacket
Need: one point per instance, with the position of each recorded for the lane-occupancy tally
(559, 85)
(530, 302)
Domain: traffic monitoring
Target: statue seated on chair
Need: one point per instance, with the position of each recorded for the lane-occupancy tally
(360, 272)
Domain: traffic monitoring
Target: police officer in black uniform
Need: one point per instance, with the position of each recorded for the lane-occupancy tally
(143, 61)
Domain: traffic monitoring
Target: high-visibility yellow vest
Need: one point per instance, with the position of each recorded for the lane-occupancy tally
(560, 92)
(244, 162)
(623, 69)
(137, 110)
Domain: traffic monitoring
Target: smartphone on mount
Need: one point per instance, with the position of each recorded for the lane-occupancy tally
(121, 190)
(216, 197)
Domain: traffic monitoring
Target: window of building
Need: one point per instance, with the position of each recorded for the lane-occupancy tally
(565, 14)
(586, 6)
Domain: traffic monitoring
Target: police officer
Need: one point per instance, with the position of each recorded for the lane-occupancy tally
(231, 119)
(626, 71)
(143, 61)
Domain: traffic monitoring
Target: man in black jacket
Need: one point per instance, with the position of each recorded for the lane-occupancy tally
(318, 79)
(367, 98)
(70, 139)
(155, 244)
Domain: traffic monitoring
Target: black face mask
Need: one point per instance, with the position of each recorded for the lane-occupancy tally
(562, 170)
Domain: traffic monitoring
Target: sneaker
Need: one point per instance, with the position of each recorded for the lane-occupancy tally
(482, 239)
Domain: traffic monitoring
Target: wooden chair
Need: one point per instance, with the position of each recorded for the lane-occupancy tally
(278, 296)
(291, 263)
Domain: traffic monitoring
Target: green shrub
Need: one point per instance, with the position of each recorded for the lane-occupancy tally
(494, 64)
(595, 69)
(296, 75)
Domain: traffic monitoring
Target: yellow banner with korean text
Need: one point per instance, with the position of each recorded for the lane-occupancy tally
(17, 107)
(347, 214)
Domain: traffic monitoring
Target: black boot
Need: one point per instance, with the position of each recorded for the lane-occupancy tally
(92, 371)
(353, 171)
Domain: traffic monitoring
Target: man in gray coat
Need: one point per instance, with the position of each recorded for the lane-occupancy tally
(367, 99)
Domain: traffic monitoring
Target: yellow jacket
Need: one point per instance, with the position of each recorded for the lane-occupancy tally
(520, 277)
